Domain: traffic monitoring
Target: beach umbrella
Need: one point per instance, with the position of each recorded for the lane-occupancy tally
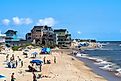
(34, 53)
(2, 77)
(36, 61)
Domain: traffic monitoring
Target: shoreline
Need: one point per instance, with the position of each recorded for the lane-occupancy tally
(67, 68)
(91, 63)
(106, 74)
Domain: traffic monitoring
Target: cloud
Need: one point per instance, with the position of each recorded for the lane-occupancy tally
(79, 32)
(20, 21)
(27, 21)
(5, 21)
(46, 21)
(16, 20)
(49, 21)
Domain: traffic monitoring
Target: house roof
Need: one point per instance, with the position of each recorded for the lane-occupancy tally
(10, 31)
(40, 27)
(60, 30)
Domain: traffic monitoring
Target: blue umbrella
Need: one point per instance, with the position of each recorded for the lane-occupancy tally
(34, 53)
(1, 76)
(36, 61)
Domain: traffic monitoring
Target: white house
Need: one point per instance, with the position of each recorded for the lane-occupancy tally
(2, 38)
(74, 43)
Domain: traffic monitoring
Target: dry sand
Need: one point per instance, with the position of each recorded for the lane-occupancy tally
(67, 68)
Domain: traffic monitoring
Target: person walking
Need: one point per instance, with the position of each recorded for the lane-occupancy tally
(12, 77)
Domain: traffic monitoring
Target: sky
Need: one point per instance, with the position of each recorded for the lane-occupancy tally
(85, 19)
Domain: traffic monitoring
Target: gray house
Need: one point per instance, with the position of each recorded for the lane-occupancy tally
(42, 36)
(63, 38)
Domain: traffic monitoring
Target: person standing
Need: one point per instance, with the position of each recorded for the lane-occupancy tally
(12, 77)
(40, 67)
(34, 77)
(44, 60)
(13, 57)
(35, 55)
(16, 63)
(7, 57)
(54, 59)
(21, 64)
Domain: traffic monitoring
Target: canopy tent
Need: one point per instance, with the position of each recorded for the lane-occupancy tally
(83, 44)
(45, 50)
(38, 62)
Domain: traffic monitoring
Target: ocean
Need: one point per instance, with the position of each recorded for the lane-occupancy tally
(111, 51)
(105, 61)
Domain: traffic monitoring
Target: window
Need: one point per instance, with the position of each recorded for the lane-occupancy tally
(38, 30)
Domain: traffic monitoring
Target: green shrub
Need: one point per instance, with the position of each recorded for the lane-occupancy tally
(15, 48)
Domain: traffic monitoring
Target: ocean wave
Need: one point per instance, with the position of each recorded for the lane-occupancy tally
(104, 64)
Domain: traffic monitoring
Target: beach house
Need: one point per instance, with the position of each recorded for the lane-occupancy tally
(42, 35)
(11, 38)
(63, 38)
(11, 35)
(28, 37)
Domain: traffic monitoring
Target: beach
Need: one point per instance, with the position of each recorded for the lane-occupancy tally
(66, 68)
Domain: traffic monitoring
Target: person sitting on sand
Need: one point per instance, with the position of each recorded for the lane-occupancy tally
(48, 62)
(31, 69)
(12, 77)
